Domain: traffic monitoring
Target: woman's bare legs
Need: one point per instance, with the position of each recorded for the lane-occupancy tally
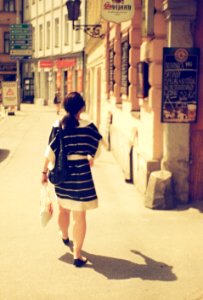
(64, 221)
(79, 231)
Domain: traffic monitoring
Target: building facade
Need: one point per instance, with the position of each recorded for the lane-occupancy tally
(10, 12)
(128, 112)
(58, 51)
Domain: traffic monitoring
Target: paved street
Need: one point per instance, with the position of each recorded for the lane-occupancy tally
(134, 252)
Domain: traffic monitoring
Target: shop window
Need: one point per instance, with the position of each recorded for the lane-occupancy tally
(124, 67)
(9, 5)
(6, 42)
(111, 69)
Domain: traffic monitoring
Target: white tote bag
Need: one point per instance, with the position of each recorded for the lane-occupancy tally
(46, 205)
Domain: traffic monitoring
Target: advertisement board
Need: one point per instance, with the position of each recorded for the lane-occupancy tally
(180, 85)
(9, 93)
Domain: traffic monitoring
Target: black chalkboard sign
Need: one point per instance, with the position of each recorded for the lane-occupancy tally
(180, 85)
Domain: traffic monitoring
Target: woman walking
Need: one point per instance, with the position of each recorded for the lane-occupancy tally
(57, 103)
(77, 193)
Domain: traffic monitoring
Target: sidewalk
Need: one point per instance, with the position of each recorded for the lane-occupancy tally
(134, 252)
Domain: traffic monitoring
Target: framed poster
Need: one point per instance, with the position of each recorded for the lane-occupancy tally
(180, 85)
(9, 93)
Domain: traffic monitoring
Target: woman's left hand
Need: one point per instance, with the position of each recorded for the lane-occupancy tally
(44, 178)
(91, 162)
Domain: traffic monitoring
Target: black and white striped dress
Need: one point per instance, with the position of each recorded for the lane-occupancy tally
(78, 191)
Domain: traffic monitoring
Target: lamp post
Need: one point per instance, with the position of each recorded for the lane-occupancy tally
(18, 75)
(93, 30)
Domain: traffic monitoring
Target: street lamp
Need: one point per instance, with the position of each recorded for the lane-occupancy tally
(73, 7)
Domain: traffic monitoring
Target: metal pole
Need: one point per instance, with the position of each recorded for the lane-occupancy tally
(18, 77)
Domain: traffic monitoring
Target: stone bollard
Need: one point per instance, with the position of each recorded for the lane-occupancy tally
(159, 194)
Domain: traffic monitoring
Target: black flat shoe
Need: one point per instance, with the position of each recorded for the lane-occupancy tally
(66, 241)
(79, 262)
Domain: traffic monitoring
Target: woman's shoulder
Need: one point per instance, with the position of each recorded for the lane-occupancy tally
(84, 123)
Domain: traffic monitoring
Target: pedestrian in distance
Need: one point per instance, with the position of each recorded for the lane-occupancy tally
(57, 103)
(77, 193)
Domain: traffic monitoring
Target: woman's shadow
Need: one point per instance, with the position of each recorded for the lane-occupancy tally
(116, 268)
(4, 154)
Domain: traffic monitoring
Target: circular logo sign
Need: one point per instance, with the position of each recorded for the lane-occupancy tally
(181, 55)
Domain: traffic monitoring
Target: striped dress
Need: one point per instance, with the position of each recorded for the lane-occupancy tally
(78, 191)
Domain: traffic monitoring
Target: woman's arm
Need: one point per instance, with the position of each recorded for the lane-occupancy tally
(44, 178)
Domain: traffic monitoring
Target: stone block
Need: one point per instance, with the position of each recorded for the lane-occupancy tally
(159, 194)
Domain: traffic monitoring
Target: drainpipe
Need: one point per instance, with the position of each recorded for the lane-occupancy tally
(18, 77)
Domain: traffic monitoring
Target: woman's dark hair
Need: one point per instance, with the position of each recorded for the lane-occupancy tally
(72, 103)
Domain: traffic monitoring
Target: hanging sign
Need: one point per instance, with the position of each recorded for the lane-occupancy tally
(117, 11)
(180, 85)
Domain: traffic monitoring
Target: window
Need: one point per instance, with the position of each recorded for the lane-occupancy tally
(6, 42)
(78, 34)
(33, 39)
(40, 36)
(48, 35)
(66, 30)
(9, 5)
(111, 69)
(27, 3)
(124, 67)
(56, 32)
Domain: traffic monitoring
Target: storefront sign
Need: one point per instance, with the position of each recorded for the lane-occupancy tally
(9, 93)
(180, 85)
(65, 63)
(60, 64)
(117, 11)
(46, 63)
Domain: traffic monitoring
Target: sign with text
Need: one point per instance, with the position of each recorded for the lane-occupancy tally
(117, 11)
(9, 93)
(180, 85)
(21, 41)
